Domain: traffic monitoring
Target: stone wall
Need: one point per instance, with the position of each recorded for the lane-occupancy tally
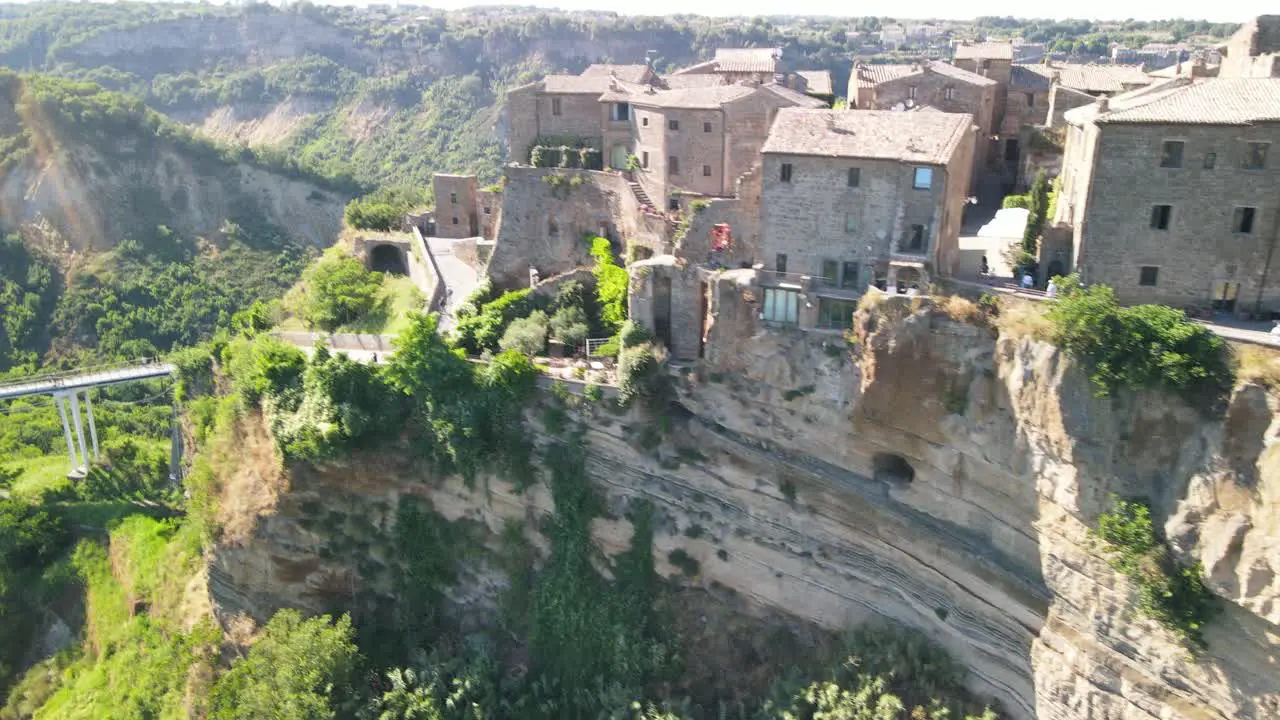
(747, 123)
(546, 212)
(1062, 99)
(808, 218)
(698, 146)
(521, 113)
(455, 212)
(1200, 249)
(651, 149)
(741, 214)
(489, 203)
(667, 297)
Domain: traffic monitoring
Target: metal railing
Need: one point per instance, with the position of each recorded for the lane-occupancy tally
(85, 377)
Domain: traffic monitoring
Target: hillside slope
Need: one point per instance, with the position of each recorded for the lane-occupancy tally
(140, 223)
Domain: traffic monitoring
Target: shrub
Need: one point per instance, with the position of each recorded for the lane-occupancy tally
(683, 560)
(1172, 594)
(632, 334)
(643, 376)
(527, 335)
(569, 326)
(1144, 346)
(612, 284)
(481, 331)
(339, 290)
(1016, 201)
(264, 367)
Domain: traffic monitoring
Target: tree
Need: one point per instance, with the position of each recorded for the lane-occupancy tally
(340, 290)
(299, 670)
(1037, 207)
(569, 326)
(527, 335)
(612, 283)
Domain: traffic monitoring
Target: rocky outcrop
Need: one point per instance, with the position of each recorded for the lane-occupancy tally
(926, 470)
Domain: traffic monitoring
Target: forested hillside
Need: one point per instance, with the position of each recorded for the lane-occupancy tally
(124, 233)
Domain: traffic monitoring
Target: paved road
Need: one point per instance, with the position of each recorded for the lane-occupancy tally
(459, 279)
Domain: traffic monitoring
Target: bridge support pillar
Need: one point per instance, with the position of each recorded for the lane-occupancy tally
(75, 411)
(60, 400)
(93, 429)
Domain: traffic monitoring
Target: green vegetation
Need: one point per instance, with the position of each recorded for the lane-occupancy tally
(339, 290)
(1173, 594)
(299, 670)
(28, 291)
(1143, 346)
(643, 376)
(1039, 202)
(526, 335)
(384, 209)
(612, 283)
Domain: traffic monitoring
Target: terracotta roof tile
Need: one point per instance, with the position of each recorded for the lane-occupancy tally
(798, 99)
(1089, 78)
(575, 84)
(695, 98)
(752, 60)
(1210, 101)
(626, 73)
(818, 81)
(919, 137)
(985, 50)
(872, 75)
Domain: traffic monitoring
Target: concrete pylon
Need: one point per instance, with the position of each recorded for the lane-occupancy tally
(75, 412)
(60, 400)
(93, 429)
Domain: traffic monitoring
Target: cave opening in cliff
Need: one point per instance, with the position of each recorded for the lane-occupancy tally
(387, 259)
(892, 468)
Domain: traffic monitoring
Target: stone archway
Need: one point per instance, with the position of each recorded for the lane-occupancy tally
(388, 259)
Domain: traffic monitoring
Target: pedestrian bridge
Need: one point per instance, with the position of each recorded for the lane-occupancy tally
(67, 388)
(84, 379)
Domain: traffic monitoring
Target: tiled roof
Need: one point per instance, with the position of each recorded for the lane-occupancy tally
(1087, 78)
(707, 66)
(1023, 77)
(761, 60)
(696, 98)
(921, 137)
(628, 73)
(576, 84)
(1210, 101)
(677, 81)
(872, 75)
(796, 98)
(818, 81)
(985, 50)
(1183, 69)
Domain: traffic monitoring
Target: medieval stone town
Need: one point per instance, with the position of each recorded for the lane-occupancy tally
(747, 169)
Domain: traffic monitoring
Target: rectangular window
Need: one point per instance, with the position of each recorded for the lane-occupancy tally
(915, 241)
(1148, 275)
(453, 198)
(781, 306)
(780, 262)
(855, 177)
(673, 204)
(1031, 100)
(1256, 156)
(555, 106)
(644, 159)
(923, 179)
(949, 93)
(836, 314)
(1171, 156)
(488, 210)
(621, 112)
(455, 219)
(785, 175)
(1243, 220)
(644, 121)
(830, 273)
(706, 127)
(1160, 216)
(706, 171)
(850, 223)
(673, 124)
(1210, 159)
(911, 92)
(673, 165)
(849, 274)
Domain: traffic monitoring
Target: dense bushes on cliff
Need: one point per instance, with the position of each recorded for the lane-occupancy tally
(1142, 346)
(1174, 594)
(28, 292)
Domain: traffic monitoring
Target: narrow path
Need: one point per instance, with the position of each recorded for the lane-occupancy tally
(459, 279)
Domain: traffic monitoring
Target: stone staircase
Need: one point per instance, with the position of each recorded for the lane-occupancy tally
(641, 195)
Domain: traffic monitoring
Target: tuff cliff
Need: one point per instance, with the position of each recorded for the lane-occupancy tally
(931, 470)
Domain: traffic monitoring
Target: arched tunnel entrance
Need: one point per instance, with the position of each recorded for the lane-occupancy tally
(892, 468)
(387, 259)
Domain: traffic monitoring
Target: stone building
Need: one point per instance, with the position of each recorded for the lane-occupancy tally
(855, 198)
(1169, 194)
(456, 207)
(1253, 50)
(933, 84)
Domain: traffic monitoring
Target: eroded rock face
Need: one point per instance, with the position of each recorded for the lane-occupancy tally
(929, 472)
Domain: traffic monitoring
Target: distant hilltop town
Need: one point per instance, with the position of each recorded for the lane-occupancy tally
(743, 166)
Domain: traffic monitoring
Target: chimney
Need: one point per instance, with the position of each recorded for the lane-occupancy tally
(1103, 103)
